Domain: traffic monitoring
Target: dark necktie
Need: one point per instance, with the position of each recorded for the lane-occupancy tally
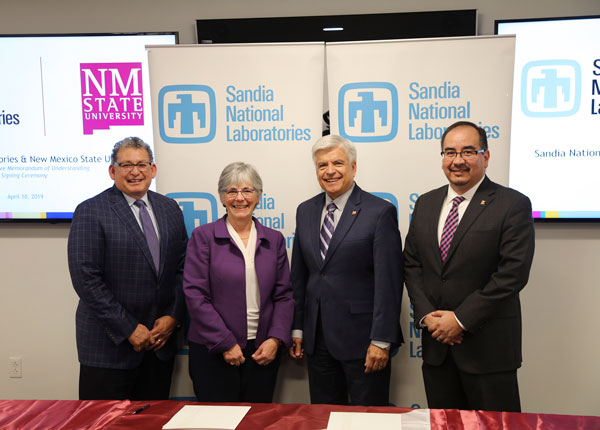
(327, 229)
(150, 232)
(450, 227)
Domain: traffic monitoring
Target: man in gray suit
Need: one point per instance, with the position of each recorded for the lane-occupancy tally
(347, 279)
(126, 252)
(468, 253)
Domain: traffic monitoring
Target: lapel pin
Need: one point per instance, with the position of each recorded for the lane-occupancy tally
(353, 213)
(482, 203)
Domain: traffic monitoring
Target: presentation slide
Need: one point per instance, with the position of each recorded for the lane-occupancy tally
(64, 102)
(555, 148)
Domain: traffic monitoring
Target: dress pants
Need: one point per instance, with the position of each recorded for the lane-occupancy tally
(151, 380)
(344, 382)
(215, 380)
(447, 387)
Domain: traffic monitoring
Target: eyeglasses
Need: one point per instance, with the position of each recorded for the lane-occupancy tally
(246, 192)
(465, 154)
(128, 167)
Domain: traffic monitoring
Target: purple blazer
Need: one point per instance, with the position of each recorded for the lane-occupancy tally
(214, 283)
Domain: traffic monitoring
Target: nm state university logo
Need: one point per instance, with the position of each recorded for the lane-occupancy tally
(111, 94)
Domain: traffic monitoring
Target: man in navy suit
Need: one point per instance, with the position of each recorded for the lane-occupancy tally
(347, 279)
(468, 253)
(126, 252)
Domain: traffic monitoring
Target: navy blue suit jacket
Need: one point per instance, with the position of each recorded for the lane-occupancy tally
(487, 265)
(113, 273)
(358, 287)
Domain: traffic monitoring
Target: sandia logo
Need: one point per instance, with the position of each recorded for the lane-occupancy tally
(368, 111)
(550, 88)
(111, 94)
(187, 114)
(198, 208)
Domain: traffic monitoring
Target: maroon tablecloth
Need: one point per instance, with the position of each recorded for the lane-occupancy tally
(116, 415)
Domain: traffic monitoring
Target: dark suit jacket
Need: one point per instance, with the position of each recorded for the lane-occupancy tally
(487, 265)
(114, 275)
(358, 287)
(215, 287)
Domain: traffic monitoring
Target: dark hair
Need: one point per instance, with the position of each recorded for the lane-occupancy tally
(130, 142)
(482, 134)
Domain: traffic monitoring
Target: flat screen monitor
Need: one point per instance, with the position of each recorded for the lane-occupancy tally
(339, 28)
(65, 100)
(555, 144)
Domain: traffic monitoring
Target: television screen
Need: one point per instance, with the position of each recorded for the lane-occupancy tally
(65, 100)
(339, 28)
(554, 146)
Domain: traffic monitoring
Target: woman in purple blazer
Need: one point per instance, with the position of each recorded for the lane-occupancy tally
(238, 292)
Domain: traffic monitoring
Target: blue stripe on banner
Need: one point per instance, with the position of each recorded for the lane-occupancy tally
(59, 215)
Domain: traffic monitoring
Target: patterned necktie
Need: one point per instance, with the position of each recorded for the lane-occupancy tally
(327, 229)
(149, 231)
(450, 227)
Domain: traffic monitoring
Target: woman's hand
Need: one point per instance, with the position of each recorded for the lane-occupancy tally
(234, 356)
(266, 352)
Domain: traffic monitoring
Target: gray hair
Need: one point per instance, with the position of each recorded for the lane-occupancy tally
(130, 142)
(238, 172)
(333, 141)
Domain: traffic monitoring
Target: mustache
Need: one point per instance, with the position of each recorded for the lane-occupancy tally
(459, 169)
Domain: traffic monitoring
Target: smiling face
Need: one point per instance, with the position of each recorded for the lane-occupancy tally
(335, 173)
(240, 206)
(134, 183)
(464, 174)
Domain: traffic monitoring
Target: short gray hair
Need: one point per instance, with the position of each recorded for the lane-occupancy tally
(332, 141)
(130, 142)
(238, 172)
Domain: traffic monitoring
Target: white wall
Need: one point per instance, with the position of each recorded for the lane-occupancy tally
(37, 306)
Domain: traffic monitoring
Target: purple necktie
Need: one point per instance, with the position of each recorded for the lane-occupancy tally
(150, 232)
(450, 227)
(327, 229)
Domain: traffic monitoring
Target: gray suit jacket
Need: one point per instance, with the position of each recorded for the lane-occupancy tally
(358, 287)
(487, 265)
(113, 273)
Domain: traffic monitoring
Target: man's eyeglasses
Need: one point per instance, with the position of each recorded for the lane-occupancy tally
(128, 167)
(465, 154)
(246, 192)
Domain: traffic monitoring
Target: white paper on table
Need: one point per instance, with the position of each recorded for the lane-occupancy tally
(200, 417)
(413, 420)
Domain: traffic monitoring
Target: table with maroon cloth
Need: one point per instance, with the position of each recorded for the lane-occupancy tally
(117, 415)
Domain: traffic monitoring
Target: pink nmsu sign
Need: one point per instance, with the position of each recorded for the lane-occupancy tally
(111, 94)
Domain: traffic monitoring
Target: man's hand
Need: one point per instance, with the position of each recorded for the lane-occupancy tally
(141, 338)
(266, 352)
(234, 356)
(296, 350)
(377, 359)
(444, 328)
(162, 331)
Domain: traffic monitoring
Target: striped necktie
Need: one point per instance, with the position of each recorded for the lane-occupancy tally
(450, 227)
(327, 229)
